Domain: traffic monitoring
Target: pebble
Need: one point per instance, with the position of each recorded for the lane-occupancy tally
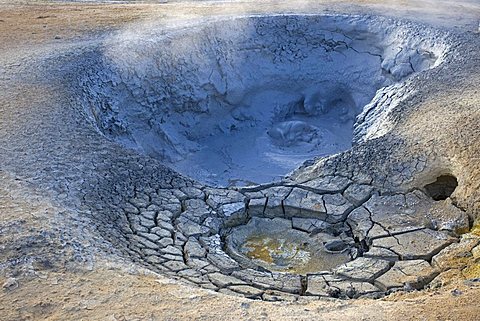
(10, 284)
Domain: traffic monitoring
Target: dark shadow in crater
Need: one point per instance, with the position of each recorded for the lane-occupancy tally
(442, 188)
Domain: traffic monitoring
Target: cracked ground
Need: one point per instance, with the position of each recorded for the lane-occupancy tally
(92, 230)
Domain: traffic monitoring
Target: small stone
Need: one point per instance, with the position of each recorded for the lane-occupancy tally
(222, 280)
(175, 266)
(154, 259)
(337, 206)
(190, 228)
(246, 290)
(310, 224)
(316, 285)
(360, 222)
(172, 250)
(335, 246)
(381, 253)
(354, 289)
(456, 292)
(10, 284)
(328, 184)
(358, 194)
(150, 236)
(302, 203)
(197, 263)
(363, 269)
(456, 255)
(194, 249)
(223, 262)
(172, 257)
(161, 232)
(256, 206)
(234, 213)
(421, 244)
(166, 241)
(414, 274)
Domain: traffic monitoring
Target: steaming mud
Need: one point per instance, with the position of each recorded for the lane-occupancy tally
(245, 101)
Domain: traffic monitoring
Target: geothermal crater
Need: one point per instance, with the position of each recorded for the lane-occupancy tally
(246, 100)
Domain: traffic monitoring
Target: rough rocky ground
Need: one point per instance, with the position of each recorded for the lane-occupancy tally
(70, 198)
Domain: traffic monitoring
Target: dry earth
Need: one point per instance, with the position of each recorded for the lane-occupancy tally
(76, 275)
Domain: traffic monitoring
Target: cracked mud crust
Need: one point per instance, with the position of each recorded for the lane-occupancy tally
(90, 229)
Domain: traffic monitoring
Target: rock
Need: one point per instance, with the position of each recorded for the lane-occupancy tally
(276, 281)
(337, 206)
(457, 255)
(302, 203)
(328, 184)
(222, 280)
(217, 197)
(223, 262)
(154, 259)
(363, 269)
(381, 253)
(396, 215)
(414, 274)
(310, 224)
(190, 228)
(246, 290)
(149, 236)
(171, 250)
(275, 197)
(172, 257)
(422, 244)
(456, 292)
(165, 216)
(358, 194)
(273, 296)
(316, 285)
(214, 224)
(196, 210)
(10, 284)
(162, 232)
(360, 222)
(336, 246)
(197, 263)
(143, 242)
(447, 217)
(256, 206)
(445, 278)
(166, 241)
(354, 290)
(194, 249)
(193, 192)
(233, 214)
(175, 266)
(476, 252)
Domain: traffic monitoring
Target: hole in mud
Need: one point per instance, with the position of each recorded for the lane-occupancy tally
(442, 188)
(246, 100)
(274, 245)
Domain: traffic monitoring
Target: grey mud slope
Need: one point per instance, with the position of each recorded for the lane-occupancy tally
(249, 99)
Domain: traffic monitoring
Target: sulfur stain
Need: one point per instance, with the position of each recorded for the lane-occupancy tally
(476, 228)
(289, 255)
(472, 271)
(274, 251)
